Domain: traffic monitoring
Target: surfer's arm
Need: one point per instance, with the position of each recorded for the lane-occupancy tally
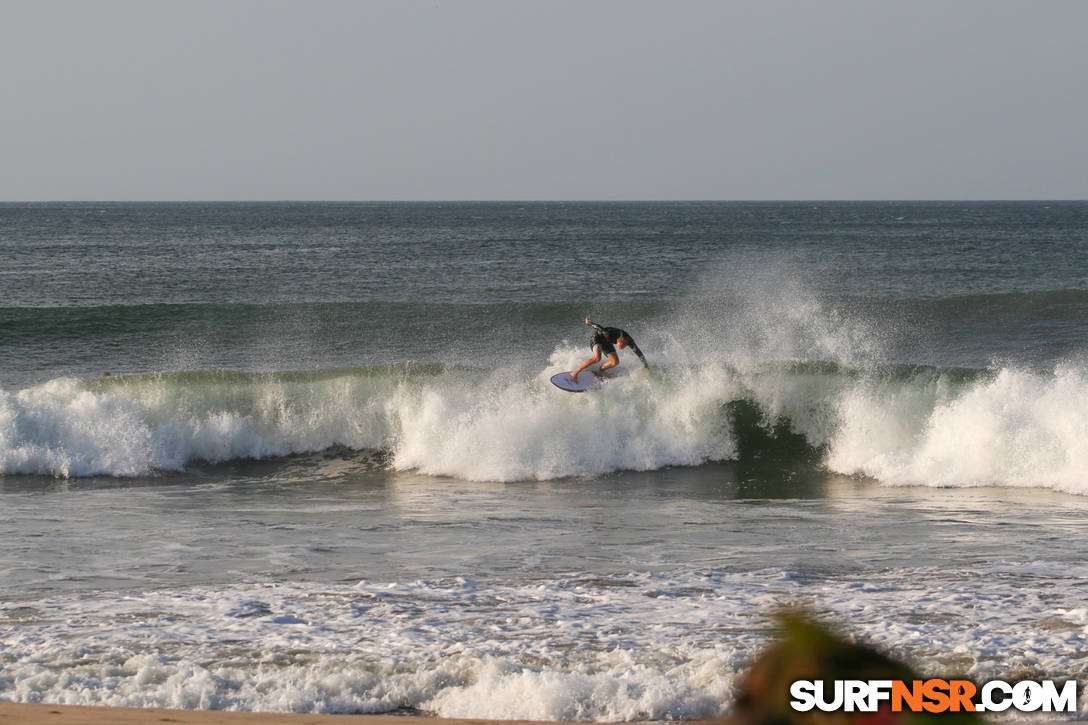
(634, 348)
(595, 326)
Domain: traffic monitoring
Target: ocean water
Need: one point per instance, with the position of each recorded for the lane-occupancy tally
(327, 471)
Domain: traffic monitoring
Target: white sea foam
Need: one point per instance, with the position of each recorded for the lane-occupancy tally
(606, 648)
(64, 428)
(519, 428)
(1004, 427)
(1016, 428)
(528, 430)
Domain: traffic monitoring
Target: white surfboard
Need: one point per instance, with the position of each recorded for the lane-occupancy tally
(586, 381)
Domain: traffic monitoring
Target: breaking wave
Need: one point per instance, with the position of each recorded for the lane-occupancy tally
(907, 425)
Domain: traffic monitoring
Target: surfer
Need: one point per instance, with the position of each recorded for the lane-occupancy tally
(604, 342)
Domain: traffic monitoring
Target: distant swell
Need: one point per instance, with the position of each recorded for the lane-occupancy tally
(899, 424)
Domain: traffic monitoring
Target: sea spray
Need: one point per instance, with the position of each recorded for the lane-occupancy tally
(529, 430)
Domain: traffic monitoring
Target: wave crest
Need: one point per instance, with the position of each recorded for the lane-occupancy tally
(900, 424)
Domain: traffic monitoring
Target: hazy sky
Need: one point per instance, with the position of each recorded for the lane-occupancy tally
(594, 99)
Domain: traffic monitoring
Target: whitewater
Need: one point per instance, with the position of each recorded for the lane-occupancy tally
(902, 425)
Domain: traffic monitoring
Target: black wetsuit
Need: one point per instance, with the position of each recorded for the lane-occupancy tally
(605, 338)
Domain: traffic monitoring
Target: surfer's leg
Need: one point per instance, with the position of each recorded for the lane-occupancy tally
(596, 358)
(613, 361)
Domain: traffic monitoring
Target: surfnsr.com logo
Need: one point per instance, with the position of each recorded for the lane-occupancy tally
(933, 696)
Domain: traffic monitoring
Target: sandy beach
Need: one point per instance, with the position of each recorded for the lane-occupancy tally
(18, 713)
